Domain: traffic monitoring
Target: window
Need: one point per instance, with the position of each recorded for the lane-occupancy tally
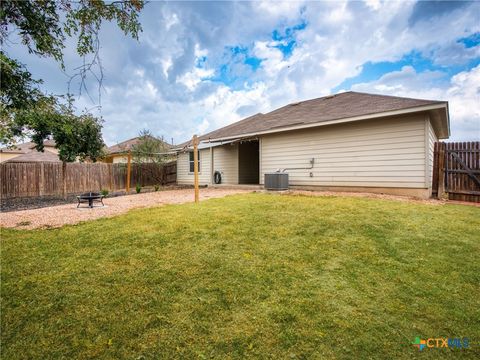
(190, 160)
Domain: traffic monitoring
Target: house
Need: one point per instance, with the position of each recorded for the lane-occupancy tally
(119, 153)
(26, 152)
(346, 142)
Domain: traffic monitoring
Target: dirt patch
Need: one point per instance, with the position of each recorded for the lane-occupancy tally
(56, 216)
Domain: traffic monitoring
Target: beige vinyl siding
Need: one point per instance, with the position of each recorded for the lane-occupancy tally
(184, 176)
(373, 153)
(120, 159)
(225, 160)
(432, 139)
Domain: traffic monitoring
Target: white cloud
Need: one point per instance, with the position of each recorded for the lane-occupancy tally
(453, 54)
(338, 39)
(462, 92)
(404, 81)
(202, 128)
(157, 82)
(373, 4)
(194, 77)
(273, 10)
(464, 97)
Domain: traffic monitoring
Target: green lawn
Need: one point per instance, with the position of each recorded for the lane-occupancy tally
(247, 276)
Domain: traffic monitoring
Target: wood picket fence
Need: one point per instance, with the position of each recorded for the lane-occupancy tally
(39, 179)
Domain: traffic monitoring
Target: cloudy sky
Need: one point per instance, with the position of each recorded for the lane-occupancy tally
(201, 65)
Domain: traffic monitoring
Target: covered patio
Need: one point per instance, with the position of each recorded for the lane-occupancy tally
(233, 162)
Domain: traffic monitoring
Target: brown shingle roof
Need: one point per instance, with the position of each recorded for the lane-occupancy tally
(36, 156)
(340, 106)
(127, 145)
(25, 147)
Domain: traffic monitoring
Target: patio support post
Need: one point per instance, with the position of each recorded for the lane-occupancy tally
(195, 166)
(129, 163)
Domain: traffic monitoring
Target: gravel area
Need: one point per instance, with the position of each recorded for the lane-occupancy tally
(56, 216)
(27, 203)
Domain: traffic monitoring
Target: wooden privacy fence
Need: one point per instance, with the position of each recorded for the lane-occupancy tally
(34, 179)
(456, 171)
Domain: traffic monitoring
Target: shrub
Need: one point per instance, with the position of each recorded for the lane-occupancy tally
(138, 188)
(104, 192)
(156, 187)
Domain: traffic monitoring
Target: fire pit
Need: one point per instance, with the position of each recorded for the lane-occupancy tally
(90, 197)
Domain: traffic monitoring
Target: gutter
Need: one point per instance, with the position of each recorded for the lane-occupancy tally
(212, 144)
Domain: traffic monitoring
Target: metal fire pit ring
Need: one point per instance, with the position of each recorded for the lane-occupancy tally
(90, 198)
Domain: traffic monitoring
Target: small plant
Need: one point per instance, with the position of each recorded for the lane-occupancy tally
(156, 187)
(138, 188)
(104, 192)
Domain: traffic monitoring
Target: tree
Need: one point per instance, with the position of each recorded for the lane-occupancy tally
(18, 90)
(26, 111)
(77, 137)
(43, 27)
(151, 150)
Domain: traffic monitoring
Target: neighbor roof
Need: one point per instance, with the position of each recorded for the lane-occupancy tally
(25, 147)
(316, 111)
(36, 156)
(127, 145)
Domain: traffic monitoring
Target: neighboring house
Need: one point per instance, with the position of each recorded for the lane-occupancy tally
(358, 142)
(119, 153)
(26, 152)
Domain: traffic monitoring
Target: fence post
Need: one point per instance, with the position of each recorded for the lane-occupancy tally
(110, 177)
(441, 170)
(64, 179)
(128, 172)
(41, 183)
